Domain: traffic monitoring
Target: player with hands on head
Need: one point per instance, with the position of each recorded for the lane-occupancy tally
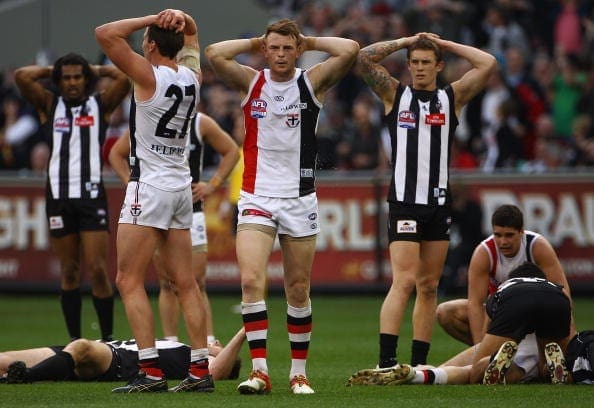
(203, 131)
(421, 119)
(75, 119)
(280, 105)
(157, 208)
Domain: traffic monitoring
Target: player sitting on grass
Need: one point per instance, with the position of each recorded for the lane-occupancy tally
(525, 303)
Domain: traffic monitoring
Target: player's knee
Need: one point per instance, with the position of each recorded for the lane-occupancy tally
(427, 288)
(441, 314)
(78, 348)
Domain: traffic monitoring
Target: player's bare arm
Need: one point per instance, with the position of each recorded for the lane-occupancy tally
(223, 144)
(376, 75)
(343, 53)
(113, 39)
(118, 157)
(476, 78)
(117, 89)
(222, 59)
(27, 79)
(478, 284)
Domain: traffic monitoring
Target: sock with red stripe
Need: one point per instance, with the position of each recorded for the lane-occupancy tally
(199, 363)
(436, 376)
(299, 323)
(148, 361)
(255, 323)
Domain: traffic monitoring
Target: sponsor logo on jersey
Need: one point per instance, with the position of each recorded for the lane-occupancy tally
(307, 173)
(62, 125)
(279, 98)
(84, 121)
(312, 216)
(439, 192)
(90, 186)
(258, 108)
(56, 222)
(407, 119)
(293, 120)
(435, 119)
(301, 105)
(406, 226)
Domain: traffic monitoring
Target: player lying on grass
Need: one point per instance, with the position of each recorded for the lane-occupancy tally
(89, 360)
(525, 303)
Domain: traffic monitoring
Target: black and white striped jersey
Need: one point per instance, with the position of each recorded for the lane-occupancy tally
(76, 135)
(421, 126)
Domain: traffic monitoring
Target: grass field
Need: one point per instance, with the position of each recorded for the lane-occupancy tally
(344, 340)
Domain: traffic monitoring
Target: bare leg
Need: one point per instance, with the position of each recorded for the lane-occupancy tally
(452, 316)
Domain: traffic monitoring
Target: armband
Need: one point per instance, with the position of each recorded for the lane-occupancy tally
(189, 57)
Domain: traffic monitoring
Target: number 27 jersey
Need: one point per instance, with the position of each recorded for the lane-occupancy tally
(159, 130)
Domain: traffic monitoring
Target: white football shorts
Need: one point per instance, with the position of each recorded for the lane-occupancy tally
(152, 207)
(295, 217)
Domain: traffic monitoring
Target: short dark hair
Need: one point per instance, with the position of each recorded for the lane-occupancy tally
(427, 45)
(508, 216)
(234, 373)
(168, 41)
(74, 59)
(285, 27)
(527, 270)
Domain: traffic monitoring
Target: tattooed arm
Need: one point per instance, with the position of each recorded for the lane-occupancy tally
(375, 74)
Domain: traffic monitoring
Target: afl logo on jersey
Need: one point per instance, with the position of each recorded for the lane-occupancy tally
(62, 125)
(407, 120)
(258, 109)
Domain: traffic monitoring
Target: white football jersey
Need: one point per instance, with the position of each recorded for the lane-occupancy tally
(160, 128)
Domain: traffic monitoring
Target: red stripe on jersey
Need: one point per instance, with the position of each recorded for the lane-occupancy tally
(257, 325)
(425, 377)
(258, 353)
(250, 144)
(299, 329)
(299, 354)
(493, 255)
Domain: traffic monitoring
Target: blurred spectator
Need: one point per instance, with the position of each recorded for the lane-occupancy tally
(496, 93)
(503, 32)
(568, 29)
(583, 138)
(465, 235)
(551, 151)
(40, 154)
(509, 136)
(317, 21)
(360, 146)
(461, 157)
(530, 97)
(568, 84)
(18, 133)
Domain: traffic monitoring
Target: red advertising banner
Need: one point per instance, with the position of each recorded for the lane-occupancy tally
(350, 253)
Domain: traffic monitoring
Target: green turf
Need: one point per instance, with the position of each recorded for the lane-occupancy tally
(344, 340)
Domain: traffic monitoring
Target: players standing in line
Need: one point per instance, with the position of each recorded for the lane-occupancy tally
(203, 130)
(157, 209)
(281, 106)
(75, 120)
(421, 119)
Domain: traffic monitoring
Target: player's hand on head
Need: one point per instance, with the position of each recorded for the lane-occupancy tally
(171, 19)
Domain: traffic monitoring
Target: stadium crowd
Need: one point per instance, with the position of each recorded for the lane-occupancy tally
(534, 116)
